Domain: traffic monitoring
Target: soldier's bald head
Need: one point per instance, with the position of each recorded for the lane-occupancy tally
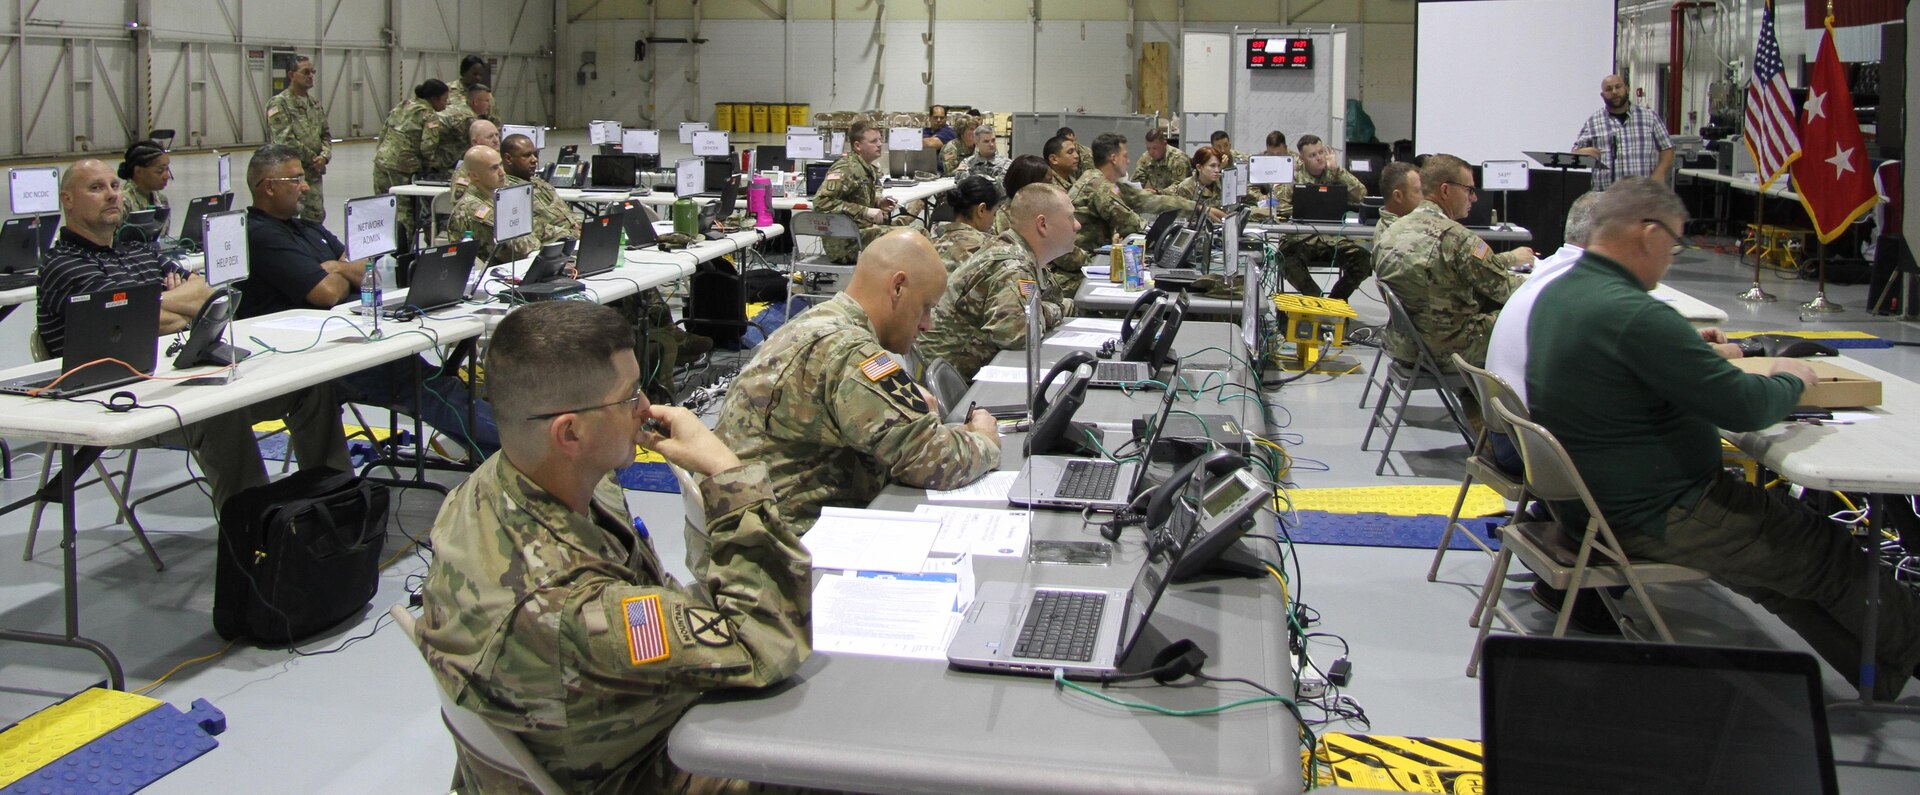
(1042, 215)
(897, 281)
(482, 164)
(483, 133)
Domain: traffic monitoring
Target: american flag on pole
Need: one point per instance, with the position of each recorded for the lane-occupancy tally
(1773, 128)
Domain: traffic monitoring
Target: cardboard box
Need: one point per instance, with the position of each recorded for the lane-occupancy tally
(1839, 388)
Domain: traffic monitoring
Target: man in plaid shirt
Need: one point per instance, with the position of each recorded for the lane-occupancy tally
(1629, 140)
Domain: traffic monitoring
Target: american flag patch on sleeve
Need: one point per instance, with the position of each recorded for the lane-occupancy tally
(878, 367)
(1026, 288)
(646, 631)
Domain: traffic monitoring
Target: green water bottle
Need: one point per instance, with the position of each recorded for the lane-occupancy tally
(686, 217)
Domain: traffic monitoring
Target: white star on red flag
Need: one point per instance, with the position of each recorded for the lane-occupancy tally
(1842, 160)
(1816, 103)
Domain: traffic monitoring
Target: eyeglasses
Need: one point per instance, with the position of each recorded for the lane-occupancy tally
(1471, 190)
(1679, 243)
(303, 71)
(639, 394)
(301, 179)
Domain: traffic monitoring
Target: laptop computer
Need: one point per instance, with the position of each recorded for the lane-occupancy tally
(1038, 628)
(613, 173)
(599, 245)
(440, 275)
(22, 240)
(904, 163)
(638, 224)
(723, 207)
(1615, 716)
(1058, 481)
(766, 158)
(120, 323)
(718, 177)
(543, 280)
(1319, 203)
(192, 227)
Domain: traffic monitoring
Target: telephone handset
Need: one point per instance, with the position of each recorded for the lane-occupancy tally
(1152, 340)
(567, 175)
(1206, 506)
(1054, 431)
(203, 344)
(1137, 313)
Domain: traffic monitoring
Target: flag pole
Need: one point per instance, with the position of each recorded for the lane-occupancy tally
(1756, 294)
(1820, 305)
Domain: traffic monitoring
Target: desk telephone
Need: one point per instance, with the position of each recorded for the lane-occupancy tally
(1206, 506)
(1054, 431)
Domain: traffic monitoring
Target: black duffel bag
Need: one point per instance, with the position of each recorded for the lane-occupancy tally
(298, 556)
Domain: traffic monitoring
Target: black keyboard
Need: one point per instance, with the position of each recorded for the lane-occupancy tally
(1061, 625)
(1088, 479)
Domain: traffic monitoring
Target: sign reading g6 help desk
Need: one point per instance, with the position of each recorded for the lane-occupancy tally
(371, 230)
(225, 237)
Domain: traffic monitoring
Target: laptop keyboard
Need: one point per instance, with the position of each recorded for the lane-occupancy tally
(1061, 625)
(1088, 480)
(1116, 371)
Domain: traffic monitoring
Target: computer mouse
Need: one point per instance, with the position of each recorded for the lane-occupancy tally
(1807, 348)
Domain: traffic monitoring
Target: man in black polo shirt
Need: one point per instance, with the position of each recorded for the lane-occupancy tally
(1639, 399)
(298, 264)
(83, 260)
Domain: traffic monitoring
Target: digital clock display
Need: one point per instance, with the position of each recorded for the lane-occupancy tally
(1280, 53)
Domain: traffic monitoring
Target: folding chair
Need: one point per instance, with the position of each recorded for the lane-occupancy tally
(947, 384)
(1403, 380)
(811, 263)
(695, 507)
(1548, 551)
(1482, 467)
(476, 741)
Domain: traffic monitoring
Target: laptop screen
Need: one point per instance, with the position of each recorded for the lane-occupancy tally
(613, 171)
(1147, 587)
(1608, 716)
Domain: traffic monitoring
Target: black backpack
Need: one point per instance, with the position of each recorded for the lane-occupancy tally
(298, 556)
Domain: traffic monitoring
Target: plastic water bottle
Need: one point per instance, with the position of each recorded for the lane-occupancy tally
(385, 267)
(370, 290)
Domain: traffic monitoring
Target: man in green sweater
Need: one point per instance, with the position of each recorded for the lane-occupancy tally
(1639, 398)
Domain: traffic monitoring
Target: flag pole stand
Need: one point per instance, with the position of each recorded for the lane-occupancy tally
(1820, 305)
(1756, 294)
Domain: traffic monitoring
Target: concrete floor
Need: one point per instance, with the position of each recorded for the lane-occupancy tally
(363, 718)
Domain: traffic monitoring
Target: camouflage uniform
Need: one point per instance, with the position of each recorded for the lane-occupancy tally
(1150, 204)
(1387, 219)
(474, 213)
(956, 242)
(457, 94)
(1191, 190)
(835, 418)
(1103, 214)
(1298, 252)
(984, 310)
(1504, 259)
(950, 157)
(401, 154)
(551, 218)
(1446, 278)
(995, 169)
(850, 188)
(1163, 173)
(537, 618)
(300, 122)
(446, 143)
(1086, 161)
(133, 199)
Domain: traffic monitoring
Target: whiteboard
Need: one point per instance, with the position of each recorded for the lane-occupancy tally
(1496, 78)
(1207, 61)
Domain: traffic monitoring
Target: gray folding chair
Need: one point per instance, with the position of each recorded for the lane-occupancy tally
(1482, 467)
(695, 507)
(809, 261)
(1548, 551)
(1403, 380)
(947, 384)
(478, 742)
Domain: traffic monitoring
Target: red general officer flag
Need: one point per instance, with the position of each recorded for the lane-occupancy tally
(1832, 175)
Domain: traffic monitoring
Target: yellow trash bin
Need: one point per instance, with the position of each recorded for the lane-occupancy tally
(797, 115)
(723, 116)
(759, 117)
(777, 119)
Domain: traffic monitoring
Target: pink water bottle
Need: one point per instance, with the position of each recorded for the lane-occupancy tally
(757, 201)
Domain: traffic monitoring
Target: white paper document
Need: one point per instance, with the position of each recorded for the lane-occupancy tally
(1108, 325)
(307, 323)
(855, 539)
(1080, 339)
(999, 374)
(1113, 292)
(889, 615)
(992, 488)
(985, 532)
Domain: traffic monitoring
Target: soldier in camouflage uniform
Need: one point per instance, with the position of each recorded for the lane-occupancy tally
(1203, 188)
(401, 154)
(447, 141)
(975, 201)
(852, 187)
(546, 613)
(473, 213)
(1400, 184)
(986, 160)
(552, 220)
(1299, 251)
(1161, 166)
(296, 119)
(1101, 209)
(473, 71)
(1083, 156)
(1223, 143)
(984, 310)
(1443, 274)
(143, 172)
(833, 414)
(961, 147)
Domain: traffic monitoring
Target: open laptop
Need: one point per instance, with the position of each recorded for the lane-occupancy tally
(715, 211)
(120, 323)
(440, 275)
(1073, 483)
(197, 211)
(1560, 714)
(638, 224)
(1319, 203)
(543, 280)
(599, 245)
(613, 174)
(904, 163)
(22, 240)
(1037, 628)
(718, 177)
